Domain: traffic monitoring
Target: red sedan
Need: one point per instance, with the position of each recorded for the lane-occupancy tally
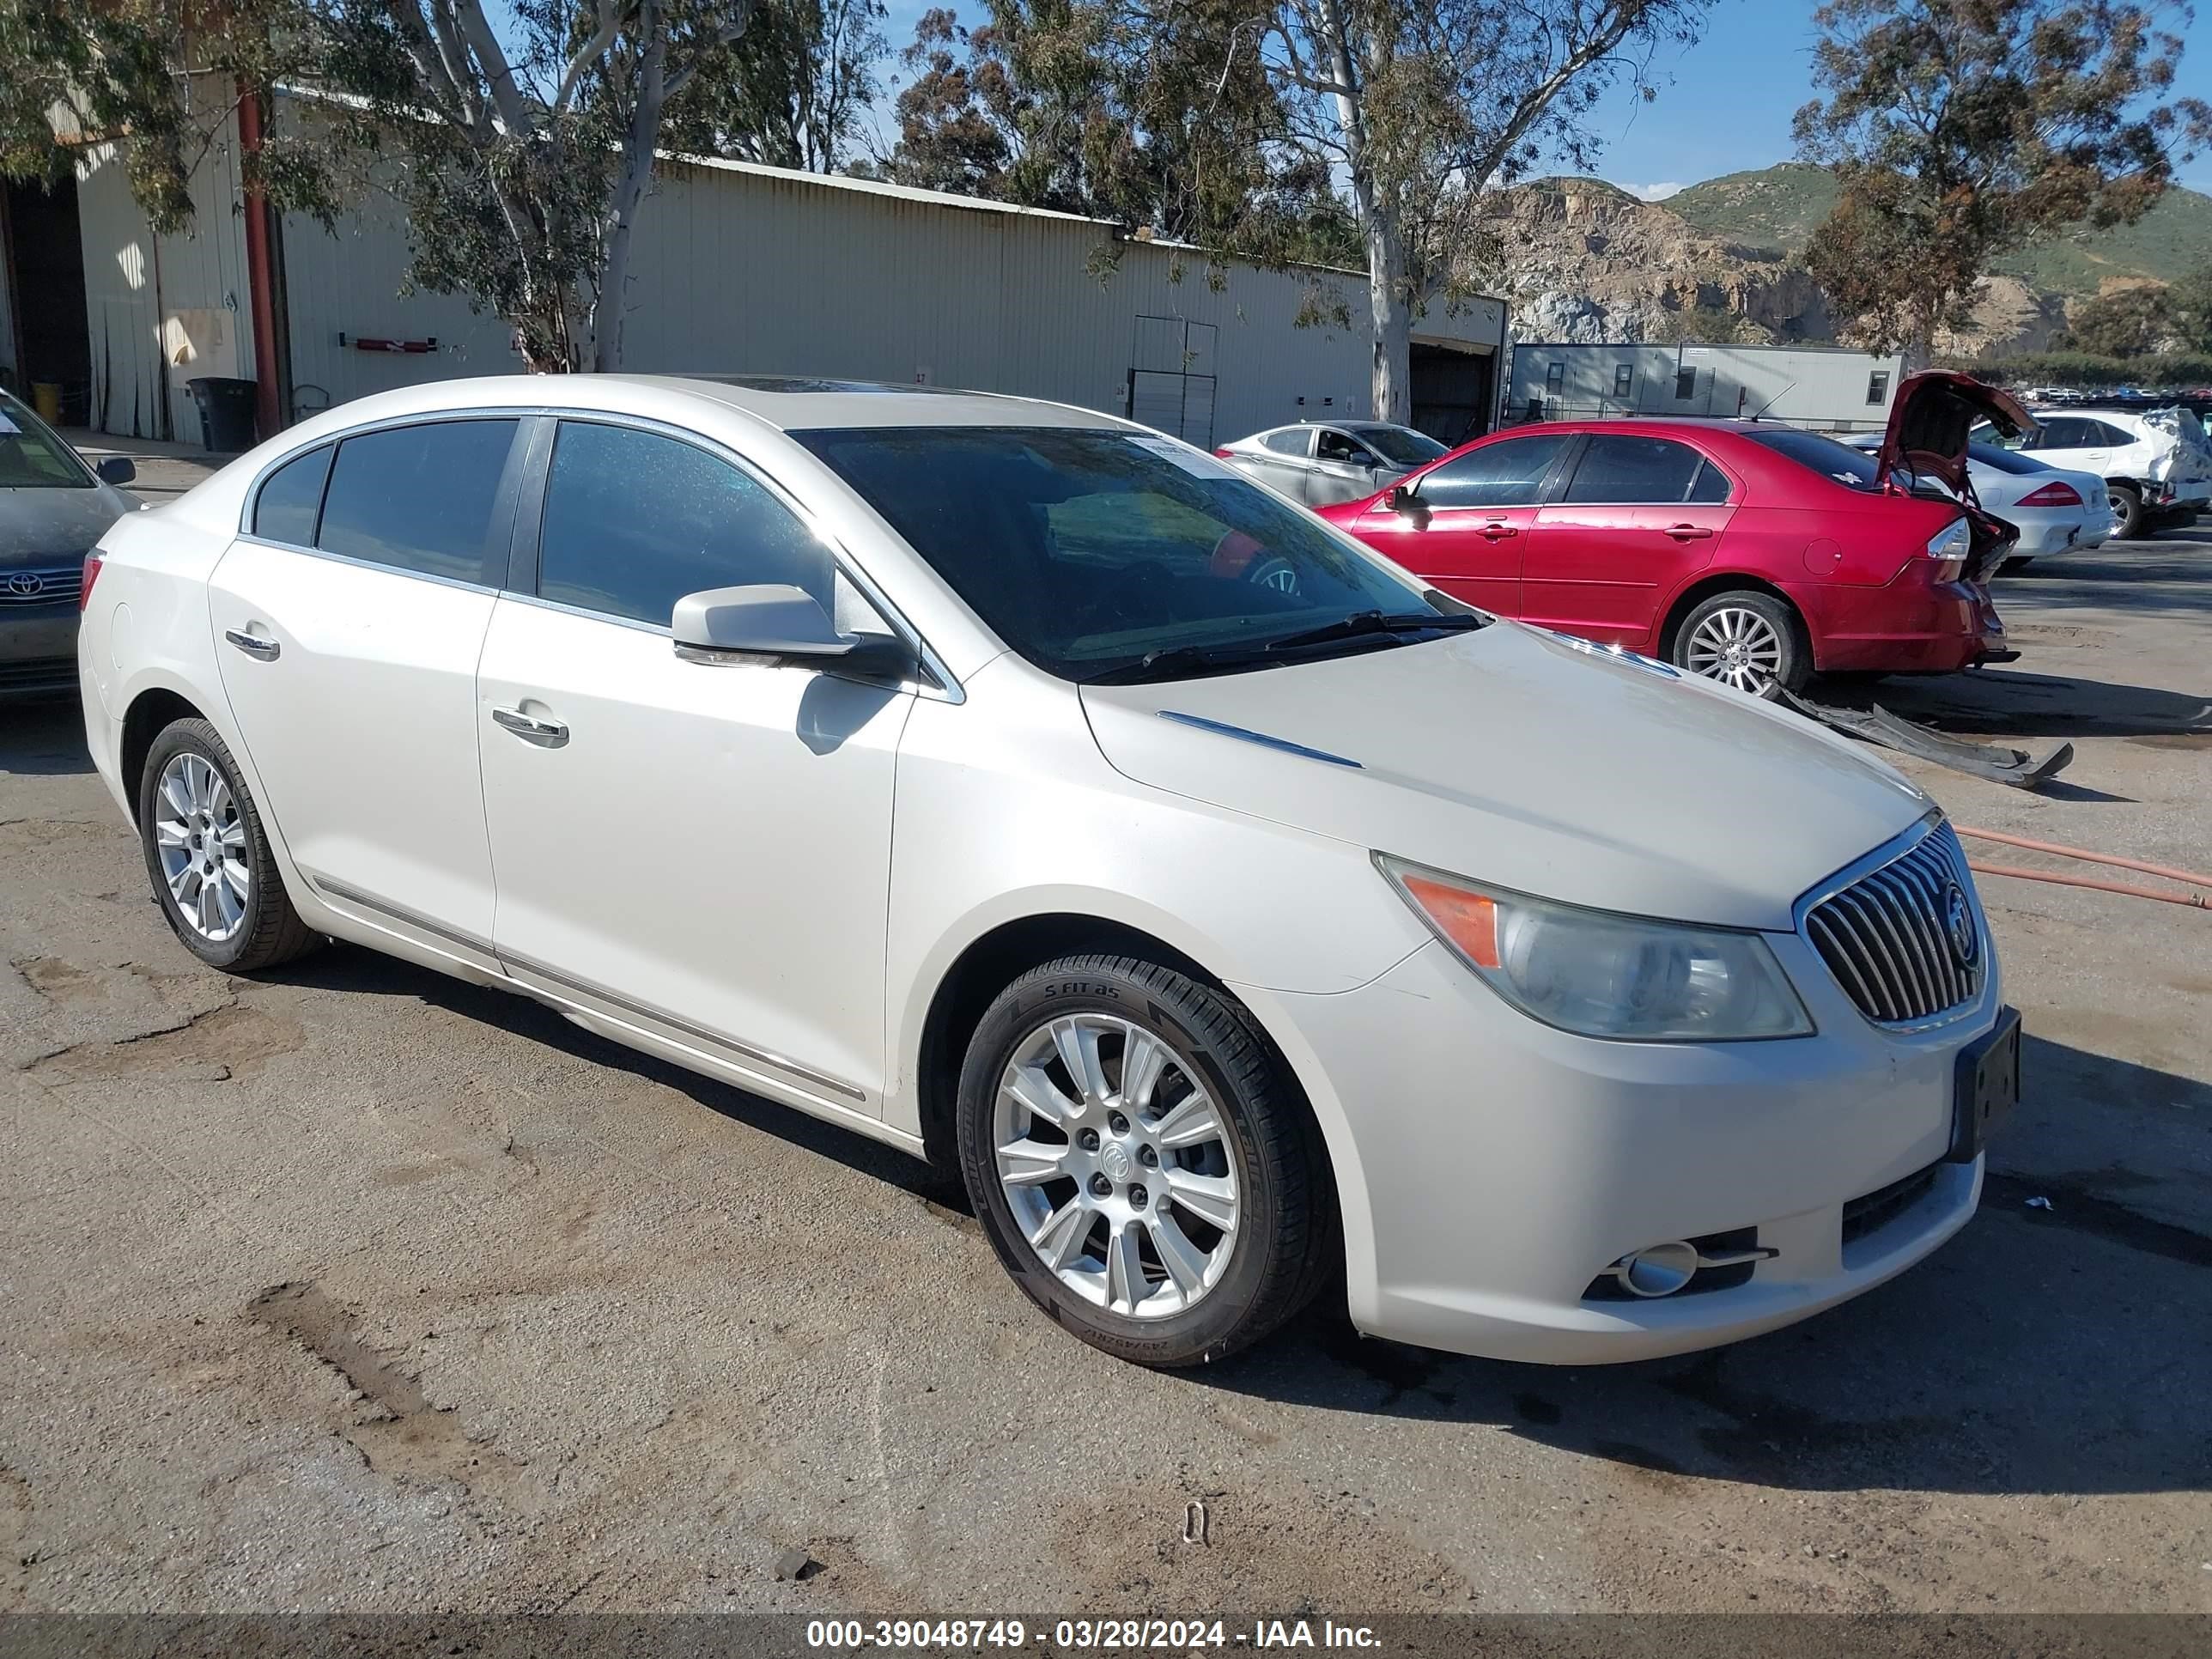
(1747, 551)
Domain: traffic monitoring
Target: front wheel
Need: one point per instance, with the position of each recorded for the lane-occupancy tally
(1746, 640)
(1142, 1163)
(208, 855)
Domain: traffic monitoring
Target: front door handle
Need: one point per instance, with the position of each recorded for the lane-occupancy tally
(1689, 533)
(548, 734)
(253, 645)
(1498, 532)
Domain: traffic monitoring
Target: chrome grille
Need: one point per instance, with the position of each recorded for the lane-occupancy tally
(1892, 937)
(41, 587)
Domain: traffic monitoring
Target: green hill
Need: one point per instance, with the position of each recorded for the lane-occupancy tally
(1778, 207)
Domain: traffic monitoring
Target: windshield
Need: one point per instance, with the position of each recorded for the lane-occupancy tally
(1398, 444)
(1846, 465)
(1092, 550)
(31, 456)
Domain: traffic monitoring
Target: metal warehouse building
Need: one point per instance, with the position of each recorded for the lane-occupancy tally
(737, 268)
(1829, 388)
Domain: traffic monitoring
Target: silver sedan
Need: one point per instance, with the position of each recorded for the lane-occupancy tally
(1318, 465)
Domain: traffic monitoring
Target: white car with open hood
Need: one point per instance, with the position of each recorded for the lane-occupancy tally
(957, 768)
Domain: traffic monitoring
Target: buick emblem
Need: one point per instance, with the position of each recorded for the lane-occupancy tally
(1959, 925)
(25, 585)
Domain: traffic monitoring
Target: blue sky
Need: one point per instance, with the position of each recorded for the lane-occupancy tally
(1723, 106)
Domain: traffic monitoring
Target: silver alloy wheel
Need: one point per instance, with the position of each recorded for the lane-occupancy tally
(1737, 646)
(202, 843)
(1115, 1163)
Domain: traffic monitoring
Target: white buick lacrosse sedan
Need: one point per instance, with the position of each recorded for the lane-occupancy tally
(1039, 795)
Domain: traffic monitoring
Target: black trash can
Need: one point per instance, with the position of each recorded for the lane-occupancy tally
(226, 414)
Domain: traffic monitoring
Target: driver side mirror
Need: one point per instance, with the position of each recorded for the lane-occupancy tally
(116, 469)
(776, 622)
(1402, 500)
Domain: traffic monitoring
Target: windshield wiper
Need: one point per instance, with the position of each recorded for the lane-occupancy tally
(1361, 623)
(1183, 660)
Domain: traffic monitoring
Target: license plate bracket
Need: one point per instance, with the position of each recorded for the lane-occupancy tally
(1987, 1087)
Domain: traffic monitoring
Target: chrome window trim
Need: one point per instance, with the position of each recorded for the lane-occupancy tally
(938, 681)
(1888, 853)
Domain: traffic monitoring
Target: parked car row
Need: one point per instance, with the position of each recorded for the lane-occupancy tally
(1258, 915)
(2156, 463)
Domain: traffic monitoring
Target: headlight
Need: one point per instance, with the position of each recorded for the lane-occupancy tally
(1606, 976)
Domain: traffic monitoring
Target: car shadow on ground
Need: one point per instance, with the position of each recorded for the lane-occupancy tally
(43, 737)
(2042, 1351)
(1999, 703)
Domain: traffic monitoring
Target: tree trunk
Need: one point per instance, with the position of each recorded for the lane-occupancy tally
(1391, 393)
(638, 146)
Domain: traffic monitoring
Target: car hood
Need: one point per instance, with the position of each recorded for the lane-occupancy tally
(1518, 757)
(43, 527)
(1932, 418)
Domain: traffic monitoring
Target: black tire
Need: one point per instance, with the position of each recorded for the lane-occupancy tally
(271, 932)
(2127, 504)
(1794, 665)
(1284, 1246)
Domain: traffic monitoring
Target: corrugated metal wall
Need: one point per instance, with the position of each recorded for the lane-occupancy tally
(163, 310)
(758, 270)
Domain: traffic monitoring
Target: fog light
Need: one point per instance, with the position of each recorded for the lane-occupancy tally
(1661, 1270)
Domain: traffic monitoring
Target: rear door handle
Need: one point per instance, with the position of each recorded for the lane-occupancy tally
(1498, 532)
(548, 734)
(253, 645)
(1689, 533)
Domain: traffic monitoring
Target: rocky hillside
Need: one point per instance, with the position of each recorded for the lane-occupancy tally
(1582, 260)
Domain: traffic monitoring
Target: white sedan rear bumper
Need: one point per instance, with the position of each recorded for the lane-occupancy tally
(1506, 1164)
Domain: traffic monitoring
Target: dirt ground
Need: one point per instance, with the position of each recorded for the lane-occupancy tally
(355, 1288)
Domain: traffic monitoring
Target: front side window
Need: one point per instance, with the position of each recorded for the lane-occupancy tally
(291, 499)
(32, 456)
(1509, 473)
(634, 521)
(1093, 551)
(419, 498)
(1639, 470)
(1335, 446)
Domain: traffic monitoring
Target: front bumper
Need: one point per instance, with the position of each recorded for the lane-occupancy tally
(1506, 1165)
(38, 650)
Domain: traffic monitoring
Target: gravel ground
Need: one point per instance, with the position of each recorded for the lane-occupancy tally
(358, 1288)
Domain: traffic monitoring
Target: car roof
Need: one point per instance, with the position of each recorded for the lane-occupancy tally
(794, 403)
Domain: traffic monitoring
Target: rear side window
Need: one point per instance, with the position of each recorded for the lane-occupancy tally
(1853, 468)
(1711, 488)
(419, 498)
(1639, 470)
(1509, 473)
(1290, 441)
(292, 499)
(634, 521)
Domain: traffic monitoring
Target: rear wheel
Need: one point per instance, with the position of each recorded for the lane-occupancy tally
(208, 855)
(1745, 639)
(1144, 1167)
(2127, 505)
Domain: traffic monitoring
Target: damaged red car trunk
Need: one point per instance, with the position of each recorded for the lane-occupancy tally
(1751, 553)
